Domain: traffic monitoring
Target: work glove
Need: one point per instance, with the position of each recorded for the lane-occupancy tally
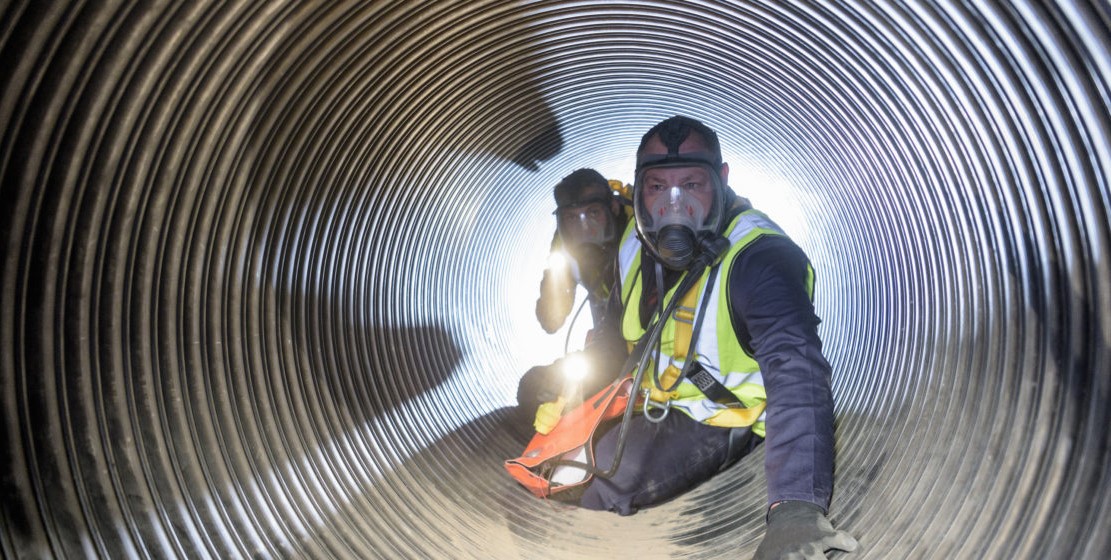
(547, 416)
(800, 531)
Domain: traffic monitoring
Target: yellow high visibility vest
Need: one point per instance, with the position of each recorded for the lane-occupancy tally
(719, 350)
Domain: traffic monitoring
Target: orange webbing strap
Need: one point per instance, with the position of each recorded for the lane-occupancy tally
(571, 438)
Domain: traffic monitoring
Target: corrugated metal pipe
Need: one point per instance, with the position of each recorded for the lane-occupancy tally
(269, 267)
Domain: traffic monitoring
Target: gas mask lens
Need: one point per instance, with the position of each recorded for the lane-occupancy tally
(676, 206)
(585, 224)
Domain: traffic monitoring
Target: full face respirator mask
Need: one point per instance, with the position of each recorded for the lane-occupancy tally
(679, 205)
(587, 222)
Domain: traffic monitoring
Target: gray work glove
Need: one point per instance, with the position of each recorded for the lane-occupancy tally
(800, 531)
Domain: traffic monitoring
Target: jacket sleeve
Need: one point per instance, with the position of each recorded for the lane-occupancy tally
(557, 294)
(775, 320)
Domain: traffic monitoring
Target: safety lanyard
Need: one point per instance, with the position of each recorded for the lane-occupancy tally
(684, 346)
(685, 341)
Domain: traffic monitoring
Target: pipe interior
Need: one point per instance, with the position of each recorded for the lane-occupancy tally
(270, 268)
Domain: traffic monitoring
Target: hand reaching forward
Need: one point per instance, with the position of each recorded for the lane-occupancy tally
(800, 531)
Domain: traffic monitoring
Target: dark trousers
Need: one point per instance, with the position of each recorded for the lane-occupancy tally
(662, 460)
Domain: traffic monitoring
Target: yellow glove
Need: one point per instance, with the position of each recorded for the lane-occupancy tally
(547, 416)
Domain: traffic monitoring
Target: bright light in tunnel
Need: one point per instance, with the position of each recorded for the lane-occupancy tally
(575, 367)
(621, 169)
(771, 193)
(557, 261)
(530, 341)
(531, 345)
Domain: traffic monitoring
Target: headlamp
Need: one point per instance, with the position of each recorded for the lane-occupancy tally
(586, 222)
(575, 367)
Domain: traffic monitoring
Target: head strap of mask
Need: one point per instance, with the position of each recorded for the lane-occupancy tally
(672, 133)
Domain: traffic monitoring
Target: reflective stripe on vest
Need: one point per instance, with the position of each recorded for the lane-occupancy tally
(719, 350)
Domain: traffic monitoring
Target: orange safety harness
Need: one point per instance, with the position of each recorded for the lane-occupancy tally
(540, 467)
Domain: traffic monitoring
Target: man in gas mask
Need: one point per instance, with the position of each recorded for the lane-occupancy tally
(736, 359)
(590, 216)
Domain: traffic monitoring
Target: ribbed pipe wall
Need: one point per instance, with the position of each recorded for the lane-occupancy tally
(269, 268)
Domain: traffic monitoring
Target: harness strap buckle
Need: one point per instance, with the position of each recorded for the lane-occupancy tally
(651, 404)
(684, 314)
